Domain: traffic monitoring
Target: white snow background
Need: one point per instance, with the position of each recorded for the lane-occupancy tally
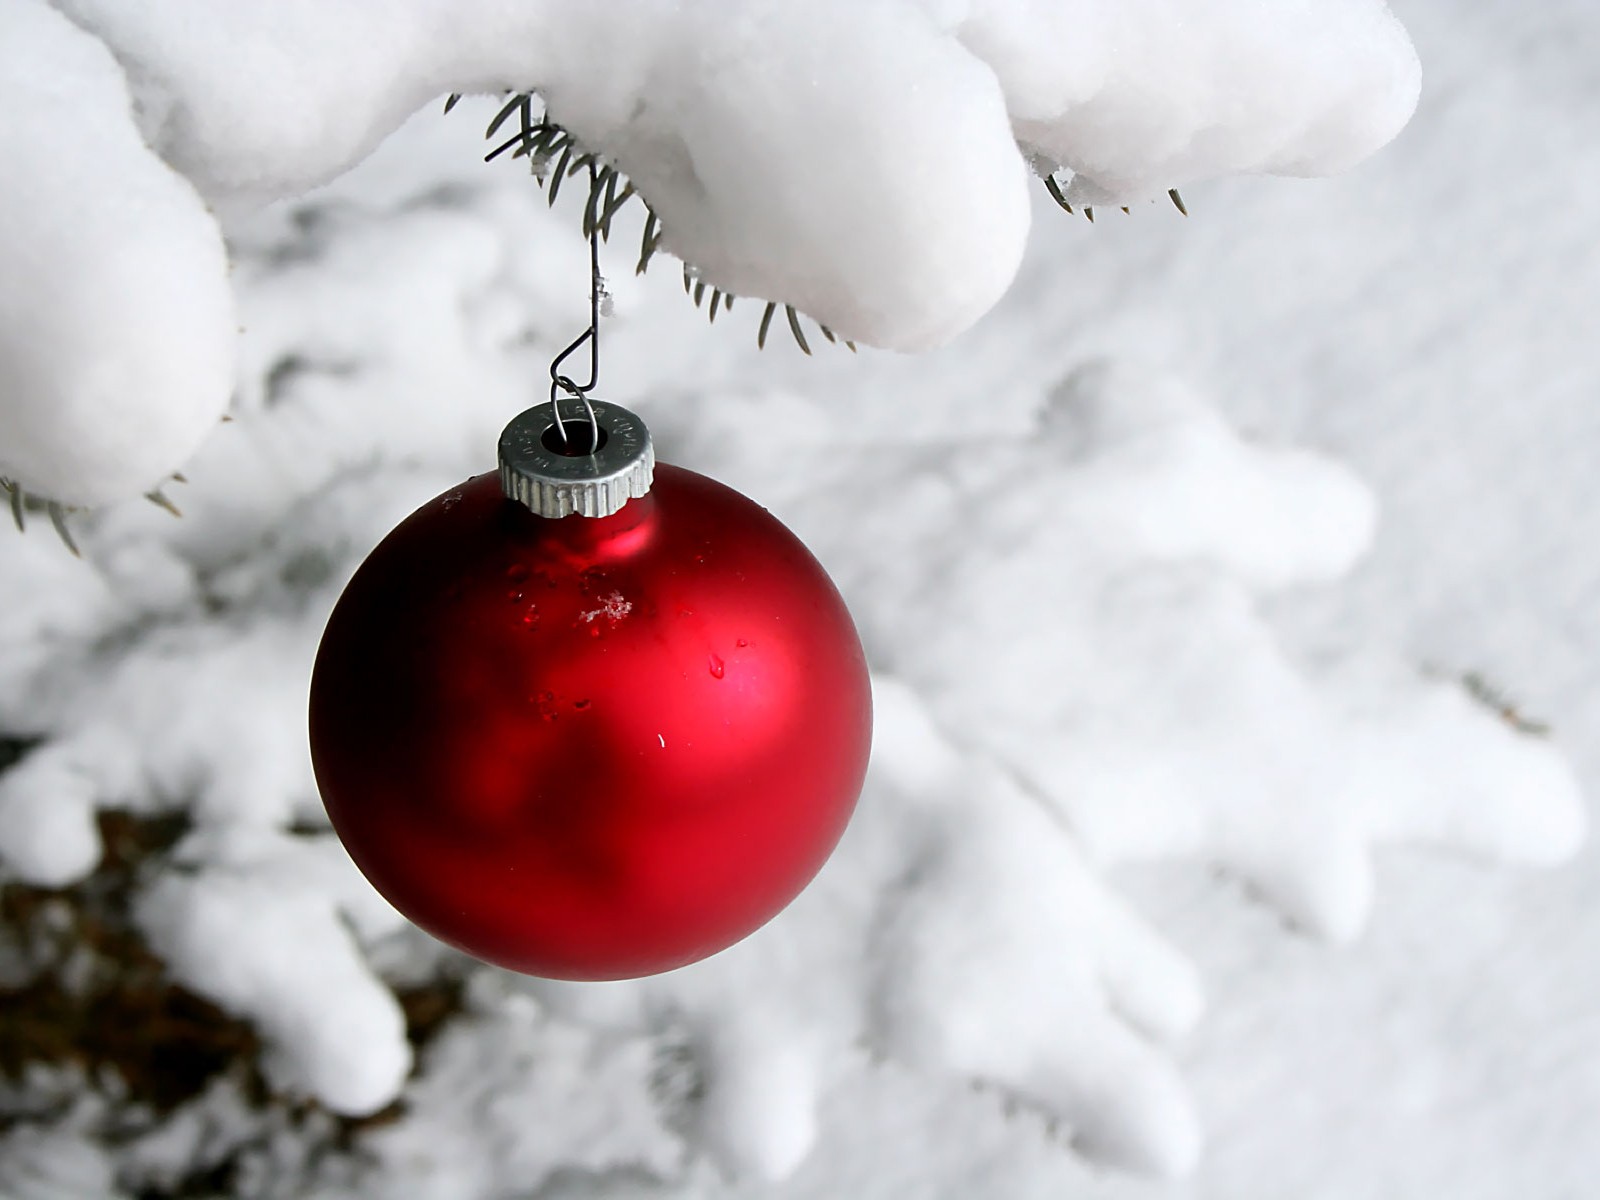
(1170, 567)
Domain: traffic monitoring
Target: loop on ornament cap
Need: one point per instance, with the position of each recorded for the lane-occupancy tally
(544, 471)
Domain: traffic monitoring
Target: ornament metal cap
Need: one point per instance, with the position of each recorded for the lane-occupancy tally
(559, 479)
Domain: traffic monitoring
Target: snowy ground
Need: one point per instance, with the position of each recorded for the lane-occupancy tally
(1426, 321)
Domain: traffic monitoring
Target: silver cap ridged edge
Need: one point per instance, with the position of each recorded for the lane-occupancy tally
(551, 484)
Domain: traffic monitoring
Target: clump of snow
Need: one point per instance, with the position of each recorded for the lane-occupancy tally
(997, 912)
(47, 810)
(264, 935)
(508, 1092)
(1153, 469)
(1146, 95)
(56, 1160)
(858, 162)
(116, 320)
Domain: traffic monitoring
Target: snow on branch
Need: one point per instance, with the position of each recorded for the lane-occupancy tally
(866, 164)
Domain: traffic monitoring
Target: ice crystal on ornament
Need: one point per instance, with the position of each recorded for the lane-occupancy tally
(612, 607)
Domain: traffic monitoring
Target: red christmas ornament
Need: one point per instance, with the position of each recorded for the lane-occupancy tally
(590, 747)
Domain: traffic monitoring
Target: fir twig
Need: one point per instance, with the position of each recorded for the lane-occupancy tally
(56, 510)
(1060, 197)
(1491, 697)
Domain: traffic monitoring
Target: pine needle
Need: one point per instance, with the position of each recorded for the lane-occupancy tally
(794, 328)
(160, 501)
(517, 104)
(591, 208)
(1054, 188)
(58, 518)
(558, 175)
(648, 243)
(615, 201)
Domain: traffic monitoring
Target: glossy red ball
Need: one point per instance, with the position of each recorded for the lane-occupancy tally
(590, 748)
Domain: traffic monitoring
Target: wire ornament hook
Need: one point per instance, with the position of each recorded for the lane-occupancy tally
(562, 383)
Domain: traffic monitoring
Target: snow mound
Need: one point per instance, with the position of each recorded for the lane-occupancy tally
(264, 934)
(116, 320)
(866, 164)
(508, 1092)
(57, 1160)
(999, 913)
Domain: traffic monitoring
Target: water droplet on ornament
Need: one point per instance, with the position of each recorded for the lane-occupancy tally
(450, 501)
(516, 573)
(741, 643)
(580, 704)
(531, 618)
(514, 596)
(717, 669)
